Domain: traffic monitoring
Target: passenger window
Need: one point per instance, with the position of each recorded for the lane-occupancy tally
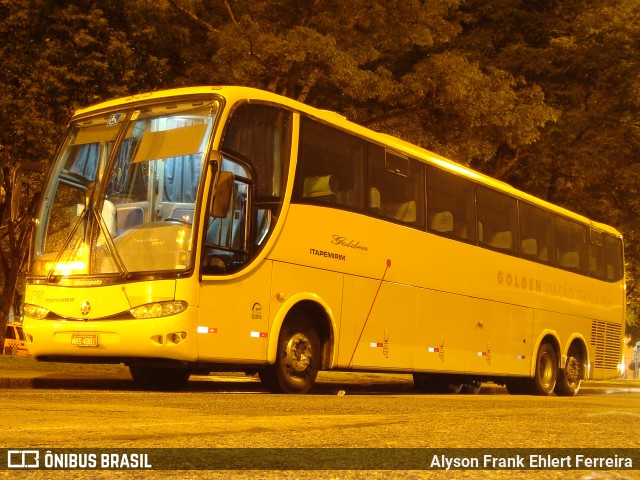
(571, 244)
(595, 263)
(330, 166)
(613, 258)
(396, 187)
(536, 234)
(497, 220)
(450, 205)
(261, 136)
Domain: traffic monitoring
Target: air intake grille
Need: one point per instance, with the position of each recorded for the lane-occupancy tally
(607, 339)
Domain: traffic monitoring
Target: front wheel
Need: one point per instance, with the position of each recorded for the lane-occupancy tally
(570, 377)
(298, 358)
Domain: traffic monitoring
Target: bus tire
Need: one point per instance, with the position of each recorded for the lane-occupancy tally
(429, 383)
(298, 358)
(544, 378)
(570, 377)
(158, 378)
(546, 373)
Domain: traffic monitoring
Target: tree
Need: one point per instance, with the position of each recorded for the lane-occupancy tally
(388, 65)
(585, 57)
(15, 232)
(56, 57)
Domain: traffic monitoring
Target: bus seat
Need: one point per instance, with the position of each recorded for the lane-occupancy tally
(442, 222)
(321, 188)
(570, 260)
(544, 254)
(374, 199)
(502, 240)
(593, 265)
(128, 217)
(346, 197)
(405, 212)
(529, 247)
(218, 231)
(480, 232)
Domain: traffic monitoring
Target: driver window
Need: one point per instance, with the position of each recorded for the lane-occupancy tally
(226, 248)
(256, 147)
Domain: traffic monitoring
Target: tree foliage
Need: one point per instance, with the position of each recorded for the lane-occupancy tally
(544, 95)
(586, 60)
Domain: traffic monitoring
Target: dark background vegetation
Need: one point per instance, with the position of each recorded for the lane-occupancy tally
(544, 94)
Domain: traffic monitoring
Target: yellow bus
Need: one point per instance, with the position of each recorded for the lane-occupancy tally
(227, 228)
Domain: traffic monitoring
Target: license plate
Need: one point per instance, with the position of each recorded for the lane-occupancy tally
(84, 339)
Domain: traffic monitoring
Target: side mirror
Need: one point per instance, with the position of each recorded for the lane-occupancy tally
(219, 207)
(16, 183)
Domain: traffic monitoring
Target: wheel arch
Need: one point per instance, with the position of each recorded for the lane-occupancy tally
(550, 337)
(322, 317)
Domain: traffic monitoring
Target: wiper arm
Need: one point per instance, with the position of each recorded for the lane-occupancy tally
(51, 278)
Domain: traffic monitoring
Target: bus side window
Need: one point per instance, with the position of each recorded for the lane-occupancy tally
(571, 244)
(596, 254)
(497, 213)
(396, 186)
(536, 233)
(330, 166)
(450, 205)
(613, 258)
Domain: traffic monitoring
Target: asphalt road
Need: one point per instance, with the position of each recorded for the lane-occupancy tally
(243, 417)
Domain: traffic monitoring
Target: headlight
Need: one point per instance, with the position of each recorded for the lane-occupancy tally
(35, 311)
(159, 309)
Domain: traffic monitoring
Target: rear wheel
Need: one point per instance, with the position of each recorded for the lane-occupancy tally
(570, 377)
(164, 379)
(544, 378)
(298, 358)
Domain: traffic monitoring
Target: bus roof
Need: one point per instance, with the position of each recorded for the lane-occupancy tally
(234, 94)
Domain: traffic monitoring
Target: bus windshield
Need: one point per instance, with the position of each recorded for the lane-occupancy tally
(122, 195)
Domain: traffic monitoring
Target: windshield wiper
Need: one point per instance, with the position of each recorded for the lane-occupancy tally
(110, 245)
(51, 277)
(55, 278)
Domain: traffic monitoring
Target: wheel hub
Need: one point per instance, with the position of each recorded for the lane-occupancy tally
(299, 352)
(572, 370)
(546, 371)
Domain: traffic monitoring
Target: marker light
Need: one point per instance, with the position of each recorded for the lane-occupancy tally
(35, 311)
(159, 309)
